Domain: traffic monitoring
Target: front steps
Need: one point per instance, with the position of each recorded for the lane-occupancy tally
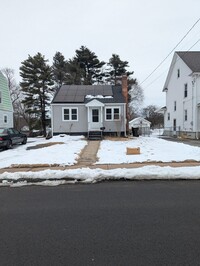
(95, 135)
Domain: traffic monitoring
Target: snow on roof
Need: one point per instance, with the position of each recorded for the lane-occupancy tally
(98, 97)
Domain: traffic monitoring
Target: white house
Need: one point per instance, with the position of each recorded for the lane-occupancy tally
(182, 87)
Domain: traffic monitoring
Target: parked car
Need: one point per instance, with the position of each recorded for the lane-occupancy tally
(11, 136)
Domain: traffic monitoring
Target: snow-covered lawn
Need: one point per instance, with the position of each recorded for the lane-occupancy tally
(66, 152)
(152, 149)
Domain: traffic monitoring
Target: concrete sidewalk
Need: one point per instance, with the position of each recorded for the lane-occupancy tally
(88, 158)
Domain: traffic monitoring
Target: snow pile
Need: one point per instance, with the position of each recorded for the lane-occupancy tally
(86, 175)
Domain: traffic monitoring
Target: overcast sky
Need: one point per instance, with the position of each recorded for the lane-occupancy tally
(141, 32)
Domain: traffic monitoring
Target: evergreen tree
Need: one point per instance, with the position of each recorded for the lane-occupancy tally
(37, 87)
(90, 66)
(74, 72)
(59, 70)
(117, 68)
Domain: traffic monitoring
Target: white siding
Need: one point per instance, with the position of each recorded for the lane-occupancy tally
(175, 92)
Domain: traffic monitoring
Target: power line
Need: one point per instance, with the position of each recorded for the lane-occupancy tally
(171, 51)
(172, 65)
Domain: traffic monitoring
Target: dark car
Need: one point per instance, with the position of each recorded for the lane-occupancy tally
(11, 136)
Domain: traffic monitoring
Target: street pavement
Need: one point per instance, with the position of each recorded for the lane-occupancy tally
(111, 223)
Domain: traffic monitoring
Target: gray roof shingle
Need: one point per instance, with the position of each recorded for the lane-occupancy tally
(192, 59)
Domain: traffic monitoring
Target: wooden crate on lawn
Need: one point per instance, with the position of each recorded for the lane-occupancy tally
(130, 151)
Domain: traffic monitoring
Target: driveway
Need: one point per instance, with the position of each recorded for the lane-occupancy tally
(192, 142)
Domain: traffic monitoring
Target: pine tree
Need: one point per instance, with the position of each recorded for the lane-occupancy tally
(37, 87)
(117, 68)
(59, 70)
(91, 67)
(74, 72)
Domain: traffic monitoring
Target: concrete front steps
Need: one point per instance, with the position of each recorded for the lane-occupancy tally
(95, 135)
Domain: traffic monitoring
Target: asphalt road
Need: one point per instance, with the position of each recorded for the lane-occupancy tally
(111, 223)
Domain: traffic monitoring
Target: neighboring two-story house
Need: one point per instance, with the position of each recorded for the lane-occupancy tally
(6, 108)
(90, 109)
(182, 87)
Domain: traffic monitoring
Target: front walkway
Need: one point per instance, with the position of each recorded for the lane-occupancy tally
(89, 154)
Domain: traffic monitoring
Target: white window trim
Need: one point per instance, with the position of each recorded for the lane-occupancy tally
(112, 113)
(70, 114)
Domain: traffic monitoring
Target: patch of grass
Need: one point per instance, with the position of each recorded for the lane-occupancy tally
(43, 145)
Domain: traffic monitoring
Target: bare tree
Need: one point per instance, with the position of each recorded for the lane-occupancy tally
(151, 114)
(13, 87)
(136, 98)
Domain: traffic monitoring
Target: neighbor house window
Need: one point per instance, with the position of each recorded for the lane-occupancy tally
(70, 114)
(185, 114)
(174, 105)
(5, 119)
(0, 97)
(185, 90)
(113, 113)
(178, 73)
(168, 116)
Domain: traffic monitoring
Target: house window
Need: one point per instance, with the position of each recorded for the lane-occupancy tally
(168, 116)
(185, 90)
(0, 97)
(174, 124)
(70, 114)
(116, 113)
(108, 114)
(113, 113)
(185, 115)
(174, 105)
(178, 73)
(5, 119)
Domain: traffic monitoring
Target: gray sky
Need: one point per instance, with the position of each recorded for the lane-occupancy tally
(142, 32)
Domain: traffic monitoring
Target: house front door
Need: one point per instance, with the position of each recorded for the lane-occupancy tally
(95, 118)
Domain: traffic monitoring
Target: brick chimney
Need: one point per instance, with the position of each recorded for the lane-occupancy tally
(125, 94)
(125, 88)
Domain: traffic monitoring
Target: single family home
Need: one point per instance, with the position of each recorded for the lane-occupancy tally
(182, 88)
(90, 110)
(6, 108)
